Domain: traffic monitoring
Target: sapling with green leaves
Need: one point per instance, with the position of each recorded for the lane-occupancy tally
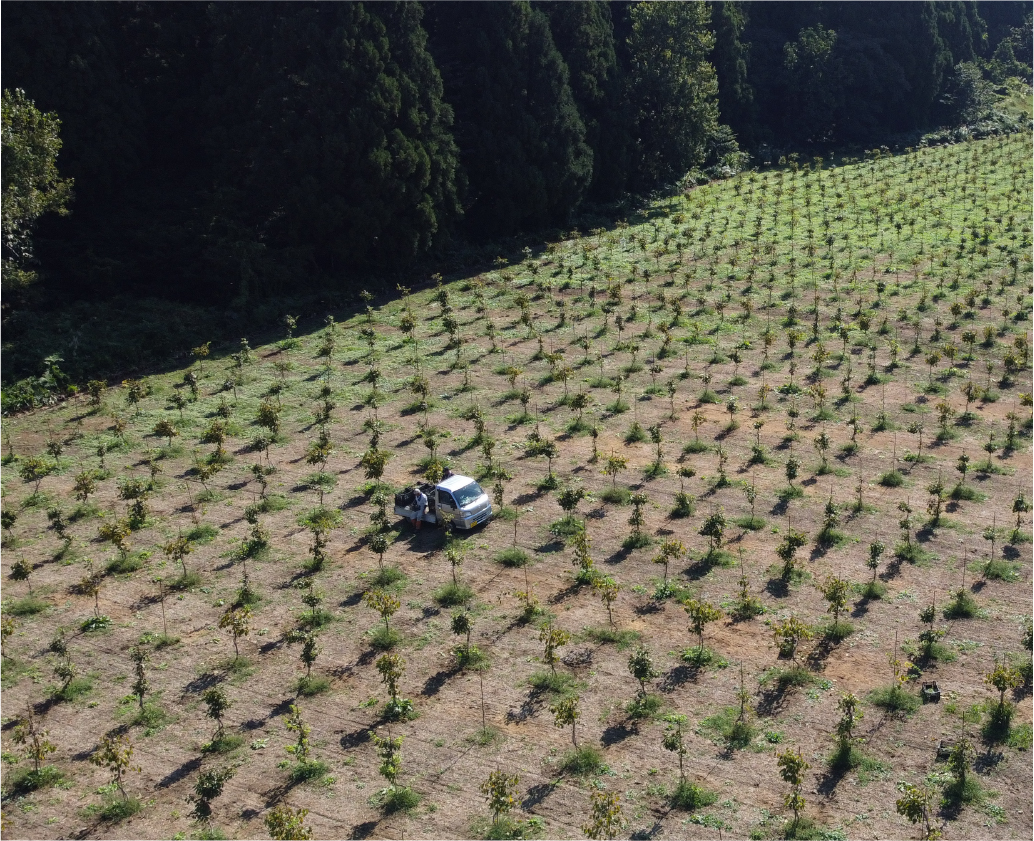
(566, 712)
(876, 550)
(462, 625)
(959, 763)
(605, 820)
(65, 668)
(116, 532)
(701, 613)
(21, 570)
(789, 634)
(35, 469)
(568, 499)
(237, 622)
(140, 657)
(787, 552)
(208, 787)
(177, 550)
(671, 551)
(608, 590)
(835, 591)
(306, 767)
(28, 733)
(552, 639)
(389, 750)
(1020, 507)
(385, 604)
(916, 805)
(850, 716)
(500, 790)
(1002, 678)
(613, 466)
(216, 704)
(673, 740)
(640, 666)
(391, 668)
(714, 530)
(683, 501)
(8, 626)
(637, 519)
(286, 824)
(792, 768)
(90, 585)
(115, 753)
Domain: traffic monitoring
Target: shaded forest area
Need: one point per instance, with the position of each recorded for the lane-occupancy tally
(226, 154)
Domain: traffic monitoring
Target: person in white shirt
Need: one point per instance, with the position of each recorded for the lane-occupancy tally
(419, 505)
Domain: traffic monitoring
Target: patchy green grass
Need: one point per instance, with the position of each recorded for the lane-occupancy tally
(689, 797)
(623, 638)
(582, 761)
(559, 683)
(512, 556)
(895, 699)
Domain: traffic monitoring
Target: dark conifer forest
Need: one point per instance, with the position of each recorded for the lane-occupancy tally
(224, 154)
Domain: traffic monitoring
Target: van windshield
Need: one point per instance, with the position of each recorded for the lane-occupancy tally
(467, 494)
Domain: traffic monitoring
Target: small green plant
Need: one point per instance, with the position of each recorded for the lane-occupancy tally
(605, 819)
(385, 604)
(37, 747)
(700, 613)
(964, 787)
(500, 790)
(846, 754)
(237, 622)
(962, 605)
(1002, 678)
(916, 805)
(552, 639)
(566, 712)
(394, 798)
(895, 698)
(835, 591)
(216, 704)
(391, 668)
(286, 824)
(116, 755)
(209, 786)
(792, 768)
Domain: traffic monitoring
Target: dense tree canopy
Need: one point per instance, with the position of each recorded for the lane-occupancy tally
(31, 186)
(225, 152)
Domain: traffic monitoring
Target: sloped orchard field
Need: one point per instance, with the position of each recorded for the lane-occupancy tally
(760, 461)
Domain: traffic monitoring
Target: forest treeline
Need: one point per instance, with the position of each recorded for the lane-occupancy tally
(223, 152)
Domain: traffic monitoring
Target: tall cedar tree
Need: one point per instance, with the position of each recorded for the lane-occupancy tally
(673, 88)
(328, 122)
(584, 34)
(522, 141)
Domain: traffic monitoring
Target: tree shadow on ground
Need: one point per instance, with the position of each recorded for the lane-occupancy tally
(617, 557)
(566, 593)
(537, 794)
(678, 676)
(771, 700)
(831, 778)
(363, 830)
(350, 741)
(177, 774)
(646, 834)
(433, 685)
(861, 607)
(817, 657)
(616, 733)
(531, 704)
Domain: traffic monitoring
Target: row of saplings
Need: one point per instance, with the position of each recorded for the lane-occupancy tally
(115, 752)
